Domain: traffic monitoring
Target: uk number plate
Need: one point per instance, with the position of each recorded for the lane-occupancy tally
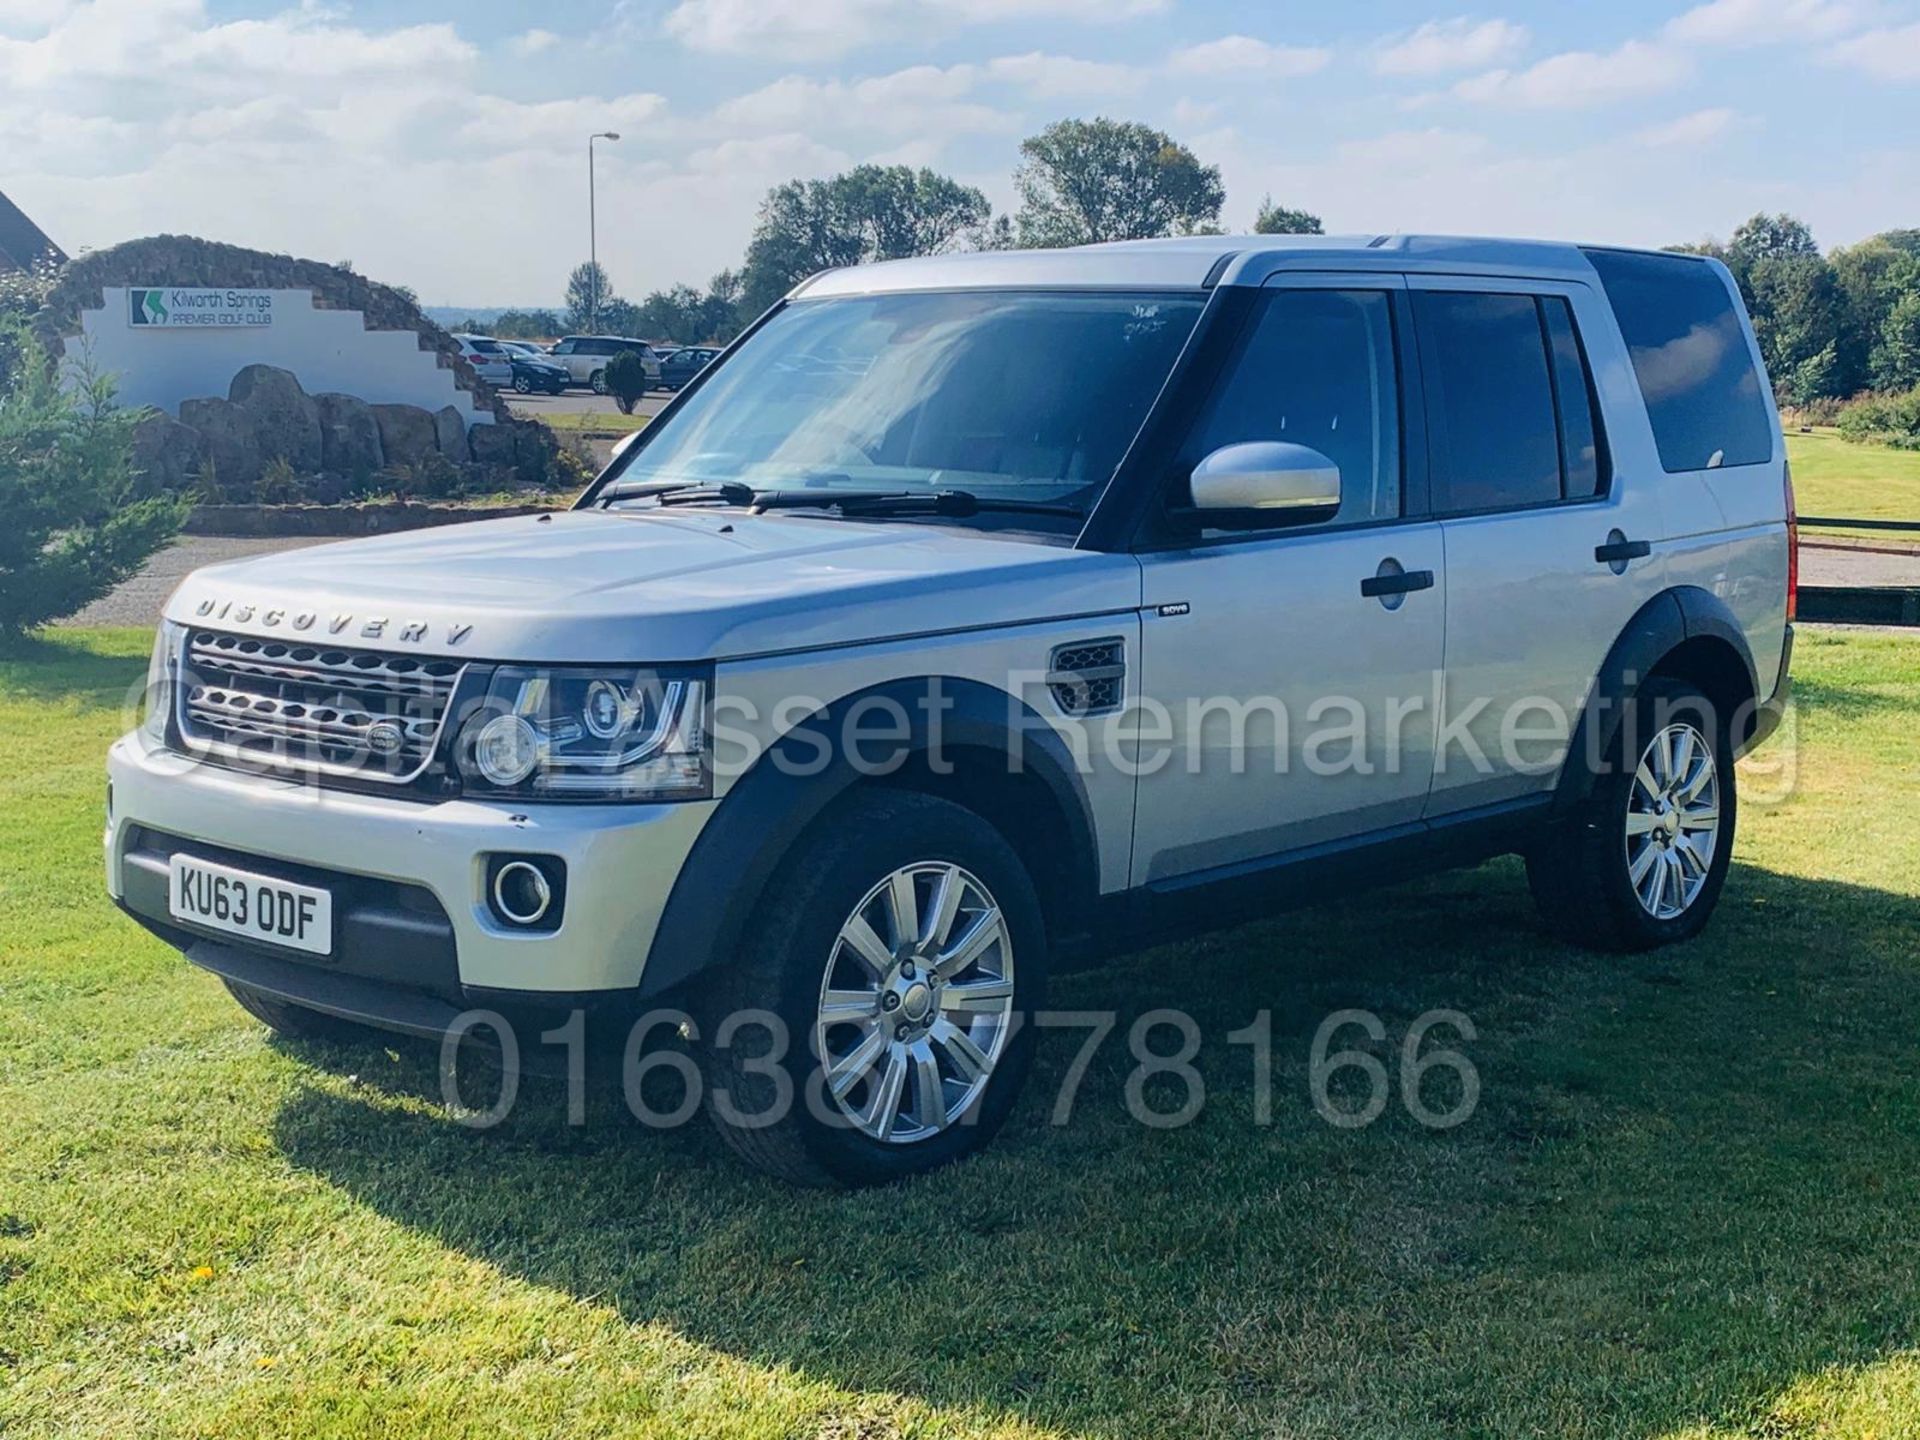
(255, 907)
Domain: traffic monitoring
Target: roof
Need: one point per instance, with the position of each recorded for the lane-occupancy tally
(1192, 262)
(21, 241)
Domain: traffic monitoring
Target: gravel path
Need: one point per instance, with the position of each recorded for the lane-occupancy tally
(138, 601)
(1820, 565)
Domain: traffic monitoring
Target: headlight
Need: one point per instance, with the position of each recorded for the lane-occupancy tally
(157, 701)
(588, 733)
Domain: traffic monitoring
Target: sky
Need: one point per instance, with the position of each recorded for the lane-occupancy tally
(444, 146)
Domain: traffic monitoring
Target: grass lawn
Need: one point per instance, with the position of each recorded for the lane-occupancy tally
(593, 422)
(1684, 1206)
(1835, 477)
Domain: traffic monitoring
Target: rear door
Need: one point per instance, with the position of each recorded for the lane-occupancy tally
(1550, 548)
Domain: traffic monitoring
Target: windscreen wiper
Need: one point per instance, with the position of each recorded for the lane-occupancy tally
(656, 489)
(952, 502)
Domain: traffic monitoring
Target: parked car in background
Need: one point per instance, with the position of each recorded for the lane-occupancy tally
(685, 363)
(534, 371)
(585, 358)
(488, 358)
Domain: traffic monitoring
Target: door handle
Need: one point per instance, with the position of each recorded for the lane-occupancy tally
(1618, 550)
(1403, 582)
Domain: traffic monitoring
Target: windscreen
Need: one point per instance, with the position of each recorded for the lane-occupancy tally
(1021, 395)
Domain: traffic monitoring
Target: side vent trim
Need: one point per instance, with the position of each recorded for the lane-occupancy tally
(1088, 677)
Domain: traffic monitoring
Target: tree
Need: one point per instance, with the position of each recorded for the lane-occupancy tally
(1896, 358)
(74, 521)
(528, 325)
(1278, 220)
(723, 308)
(1770, 237)
(589, 292)
(1873, 277)
(1085, 181)
(1796, 308)
(873, 212)
(678, 314)
(627, 379)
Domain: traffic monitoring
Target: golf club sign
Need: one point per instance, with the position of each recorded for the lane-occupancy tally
(183, 308)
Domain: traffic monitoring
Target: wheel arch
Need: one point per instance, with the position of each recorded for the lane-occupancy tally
(968, 742)
(1684, 633)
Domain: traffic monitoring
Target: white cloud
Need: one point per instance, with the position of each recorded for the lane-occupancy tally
(1244, 55)
(1580, 78)
(1891, 54)
(1767, 22)
(1442, 45)
(1098, 11)
(922, 99)
(552, 124)
(821, 29)
(1702, 127)
(803, 29)
(1189, 114)
(168, 43)
(533, 42)
(1052, 76)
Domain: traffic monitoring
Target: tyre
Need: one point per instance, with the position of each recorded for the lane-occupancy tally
(296, 1022)
(522, 384)
(896, 947)
(1644, 861)
(597, 382)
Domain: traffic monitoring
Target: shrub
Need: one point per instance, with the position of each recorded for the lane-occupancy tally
(627, 379)
(22, 293)
(73, 520)
(1884, 420)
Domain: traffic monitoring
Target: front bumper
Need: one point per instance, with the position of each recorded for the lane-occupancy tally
(621, 863)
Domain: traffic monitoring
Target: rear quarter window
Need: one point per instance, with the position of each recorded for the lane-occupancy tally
(1705, 395)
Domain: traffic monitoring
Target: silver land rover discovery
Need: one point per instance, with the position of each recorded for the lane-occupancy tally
(977, 611)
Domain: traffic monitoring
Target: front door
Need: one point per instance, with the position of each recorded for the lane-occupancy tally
(1291, 671)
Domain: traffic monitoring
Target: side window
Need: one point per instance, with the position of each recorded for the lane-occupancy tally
(1490, 401)
(1582, 443)
(565, 347)
(1316, 367)
(1704, 394)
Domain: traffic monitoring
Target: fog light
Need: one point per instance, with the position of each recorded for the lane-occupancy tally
(506, 751)
(522, 893)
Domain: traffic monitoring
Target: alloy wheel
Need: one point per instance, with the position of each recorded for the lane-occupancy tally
(1672, 821)
(916, 1004)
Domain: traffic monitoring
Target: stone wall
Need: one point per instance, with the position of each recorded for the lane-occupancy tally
(268, 441)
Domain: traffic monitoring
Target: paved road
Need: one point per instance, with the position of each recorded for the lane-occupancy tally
(580, 402)
(138, 601)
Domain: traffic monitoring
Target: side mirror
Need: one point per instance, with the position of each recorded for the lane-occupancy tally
(1268, 482)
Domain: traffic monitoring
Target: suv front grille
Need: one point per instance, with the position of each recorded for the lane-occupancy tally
(313, 707)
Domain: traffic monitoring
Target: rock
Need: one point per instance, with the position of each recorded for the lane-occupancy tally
(325, 488)
(232, 446)
(407, 434)
(167, 454)
(492, 444)
(349, 435)
(535, 449)
(450, 434)
(285, 418)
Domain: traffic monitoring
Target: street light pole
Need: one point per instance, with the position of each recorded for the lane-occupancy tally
(593, 233)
